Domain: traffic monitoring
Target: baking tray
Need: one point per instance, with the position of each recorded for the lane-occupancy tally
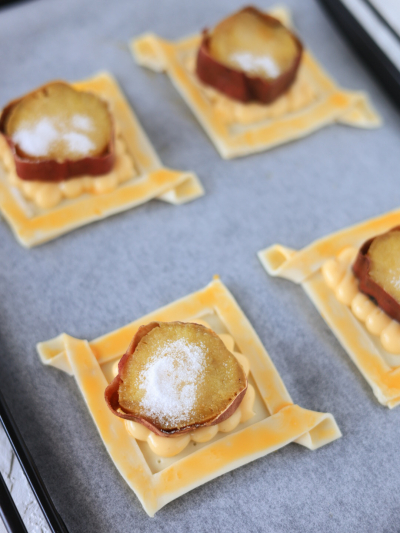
(8, 512)
(104, 275)
(385, 71)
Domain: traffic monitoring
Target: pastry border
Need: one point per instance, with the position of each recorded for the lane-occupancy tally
(287, 422)
(153, 181)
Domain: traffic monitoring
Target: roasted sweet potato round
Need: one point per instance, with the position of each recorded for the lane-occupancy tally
(377, 268)
(249, 56)
(57, 132)
(176, 377)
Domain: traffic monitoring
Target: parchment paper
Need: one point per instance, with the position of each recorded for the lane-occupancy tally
(104, 275)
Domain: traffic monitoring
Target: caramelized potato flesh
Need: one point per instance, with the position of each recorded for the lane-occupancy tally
(57, 122)
(384, 254)
(180, 375)
(250, 44)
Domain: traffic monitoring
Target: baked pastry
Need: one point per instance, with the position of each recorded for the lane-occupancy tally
(158, 468)
(74, 153)
(243, 125)
(351, 276)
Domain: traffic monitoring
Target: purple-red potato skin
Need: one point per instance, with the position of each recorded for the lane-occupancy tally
(50, 170)
(237, 84)
(111, 394)
(368, 286)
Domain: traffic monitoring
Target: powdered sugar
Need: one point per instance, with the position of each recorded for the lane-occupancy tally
(37, 139)
(256, 64)
(78, 142)
(170, 381)
(395, 277)
(82, 122)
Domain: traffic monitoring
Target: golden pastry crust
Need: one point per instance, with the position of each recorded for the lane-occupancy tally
(137, 178)
(324, 270)
(238, 129)
(156, 482)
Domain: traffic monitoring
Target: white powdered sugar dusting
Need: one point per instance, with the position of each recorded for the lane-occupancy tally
(253, 64)
(395, 277)
(171, 379)
(78, 142)
(37, 139)
(82, 122)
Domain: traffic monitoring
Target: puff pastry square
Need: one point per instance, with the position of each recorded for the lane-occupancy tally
(277, 421)
(314, 101)
(308, 267)
(32, 225)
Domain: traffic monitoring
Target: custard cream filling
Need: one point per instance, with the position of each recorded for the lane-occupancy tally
(300, 95)
(46, 195)
(339, 276)
(171, 446)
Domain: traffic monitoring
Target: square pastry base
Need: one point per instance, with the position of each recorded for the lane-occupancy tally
(156, 481)
(292, 116)
(32, 225)
(306, 267)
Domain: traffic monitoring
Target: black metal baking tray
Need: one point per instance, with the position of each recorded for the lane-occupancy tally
(9, 512)
(371, 53)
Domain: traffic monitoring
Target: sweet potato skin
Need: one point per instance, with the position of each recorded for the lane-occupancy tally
(50, 170)
(368, 286)
(111, 394)
(237, 84)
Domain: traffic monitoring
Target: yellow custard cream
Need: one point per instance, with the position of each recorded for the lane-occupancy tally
(338, 275)
(171, 446)
(46, 195)
(300, 95)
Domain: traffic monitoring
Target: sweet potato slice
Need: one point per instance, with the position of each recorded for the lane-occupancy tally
(249, 56)
(176, 377)
(57, 132)
(377, 268)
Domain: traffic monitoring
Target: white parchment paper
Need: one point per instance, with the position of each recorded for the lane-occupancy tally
(106, 274)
